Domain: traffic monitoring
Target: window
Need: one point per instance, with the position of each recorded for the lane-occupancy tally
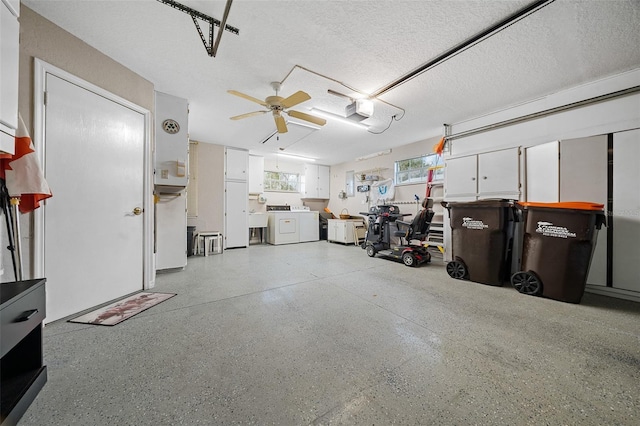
(416, 170)
(281, 182)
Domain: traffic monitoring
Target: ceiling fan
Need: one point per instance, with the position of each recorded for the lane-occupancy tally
(278, 105)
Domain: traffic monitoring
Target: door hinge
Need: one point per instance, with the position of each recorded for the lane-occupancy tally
(46, 98)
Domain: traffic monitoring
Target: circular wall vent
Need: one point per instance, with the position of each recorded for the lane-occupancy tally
(170, 126)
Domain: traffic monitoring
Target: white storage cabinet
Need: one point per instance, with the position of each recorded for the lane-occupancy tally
(172, 141)
(341, 231)
(9, 51)
(493, 174)
(316, 181)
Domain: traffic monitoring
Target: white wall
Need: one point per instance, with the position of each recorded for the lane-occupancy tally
(601, 118)
(285, 198)
(40, 38)
(384, 166)
(210, 169)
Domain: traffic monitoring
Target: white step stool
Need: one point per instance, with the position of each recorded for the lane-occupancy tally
(208, 241)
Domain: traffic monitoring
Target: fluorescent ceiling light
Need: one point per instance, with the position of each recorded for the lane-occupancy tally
(297, 123)
(296, 157)
(332, 116)
(375, 154)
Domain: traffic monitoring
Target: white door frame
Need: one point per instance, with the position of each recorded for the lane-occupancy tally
(41, 68)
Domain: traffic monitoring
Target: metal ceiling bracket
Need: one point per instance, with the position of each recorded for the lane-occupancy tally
(211, 46)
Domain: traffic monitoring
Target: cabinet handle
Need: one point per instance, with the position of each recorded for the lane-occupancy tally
(473, 178)
(26, 315)
(484, 177)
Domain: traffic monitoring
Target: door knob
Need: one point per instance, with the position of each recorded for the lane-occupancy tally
(137, 211)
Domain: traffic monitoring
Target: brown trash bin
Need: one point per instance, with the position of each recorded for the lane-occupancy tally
(558, 244)
(481, 240)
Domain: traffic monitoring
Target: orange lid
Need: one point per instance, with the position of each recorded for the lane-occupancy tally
(575, 205)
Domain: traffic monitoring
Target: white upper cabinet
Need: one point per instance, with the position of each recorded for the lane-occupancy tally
(236, 164)
(172, 141)
(323, 182)
(499, 174)
(14, 6)
(316, 181)
(256, 174)
(461, 177)
(9, 51)
(494, 174)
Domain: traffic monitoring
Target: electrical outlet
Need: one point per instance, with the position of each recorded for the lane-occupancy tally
(164, 174)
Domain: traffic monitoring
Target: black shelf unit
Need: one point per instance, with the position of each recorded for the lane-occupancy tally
(22, 373)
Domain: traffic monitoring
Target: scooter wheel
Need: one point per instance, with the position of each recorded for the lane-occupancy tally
(456, 270)
(371, 250)
(409, 259)
(526, 283)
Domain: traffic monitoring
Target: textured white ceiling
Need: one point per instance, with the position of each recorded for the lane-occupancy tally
(316, 45)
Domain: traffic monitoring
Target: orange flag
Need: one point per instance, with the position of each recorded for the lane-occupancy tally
(22, 173)
(439, 147)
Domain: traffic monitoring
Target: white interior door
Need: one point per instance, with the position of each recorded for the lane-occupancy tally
(93, 232)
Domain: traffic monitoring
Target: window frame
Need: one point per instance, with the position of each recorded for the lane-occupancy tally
(284, 180)
(416, 169)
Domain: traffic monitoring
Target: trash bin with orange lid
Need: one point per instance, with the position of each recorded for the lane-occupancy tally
(481, 240)
(557, 247)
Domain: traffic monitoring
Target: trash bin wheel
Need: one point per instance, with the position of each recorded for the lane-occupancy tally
(526, 283)
(371, 250)
(409, 259)
(457, 270)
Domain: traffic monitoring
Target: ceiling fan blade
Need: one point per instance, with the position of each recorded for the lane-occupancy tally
(249, 114)
(247, 97)
(307, 117)
(295, 99)
(281, 125)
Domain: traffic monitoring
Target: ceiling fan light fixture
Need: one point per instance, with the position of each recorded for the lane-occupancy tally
(296, 157)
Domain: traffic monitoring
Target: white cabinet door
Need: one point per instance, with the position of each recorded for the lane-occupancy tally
(310, 181)
(172, 141)
(9, 49)
(236, 217)
(236, 164)
(542, 177)
(626, 205)
(171, 230)
(323, 182)
(583, 177)
(332, 230)
(256, 174)
(583, 169)
(499, 174)
(461, 177)
(14, 6)
(316, 181)
(335, 230)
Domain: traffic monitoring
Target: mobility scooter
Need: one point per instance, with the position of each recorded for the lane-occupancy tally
(384, 222)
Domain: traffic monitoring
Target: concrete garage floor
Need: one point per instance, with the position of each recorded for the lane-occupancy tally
(318, 333)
